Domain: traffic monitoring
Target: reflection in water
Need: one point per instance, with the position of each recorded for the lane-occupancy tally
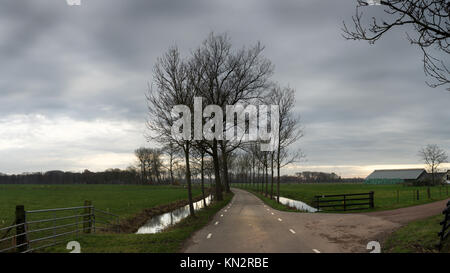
(297, 204)
(163, 221)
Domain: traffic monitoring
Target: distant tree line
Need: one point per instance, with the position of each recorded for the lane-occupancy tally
(239, 175)
(323, 177)
(110, 176)
(317, 177)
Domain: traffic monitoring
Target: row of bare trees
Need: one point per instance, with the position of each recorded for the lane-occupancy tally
(220, 76)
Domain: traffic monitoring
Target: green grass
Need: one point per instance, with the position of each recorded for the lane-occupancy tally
(123, 200)
(168, 241)
(418, 236)
(385, 195)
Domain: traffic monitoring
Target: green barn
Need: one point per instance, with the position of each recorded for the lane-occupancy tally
(395, 176)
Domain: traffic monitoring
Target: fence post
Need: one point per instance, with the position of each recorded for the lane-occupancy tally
(87, 219)
(54, 226)
(76, 227)
(93, 217)
(428, 193)
(418, 197)
(372, 203)
(317, 202)
(345, 205)
(21, 238)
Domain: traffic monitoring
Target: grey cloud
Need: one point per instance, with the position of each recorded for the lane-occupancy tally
(359, 104)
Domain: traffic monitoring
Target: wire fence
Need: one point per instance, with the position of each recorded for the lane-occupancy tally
(38, 229)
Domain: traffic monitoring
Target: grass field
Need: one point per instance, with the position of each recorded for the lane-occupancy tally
(123, 200)
(169, 241)
(417, 237)
(385, 195)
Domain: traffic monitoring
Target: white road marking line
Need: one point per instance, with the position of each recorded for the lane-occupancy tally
(225, 210)
(272, 213)
(209, 236)
(292, 231)
(216, 223)
(279, 219)
(267, 209)
(221, 215)
(315, 250)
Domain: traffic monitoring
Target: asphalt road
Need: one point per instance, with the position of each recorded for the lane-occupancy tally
(247, 225)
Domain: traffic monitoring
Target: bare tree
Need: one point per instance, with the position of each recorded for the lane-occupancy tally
(141, 156)
(226, 77)
(289, 129)
(172, 151)
(172, 89)
(199, 163)
(154, 164)
(433, 156)
(430, 20)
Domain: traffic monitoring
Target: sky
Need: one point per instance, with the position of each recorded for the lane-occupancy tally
(73, 80)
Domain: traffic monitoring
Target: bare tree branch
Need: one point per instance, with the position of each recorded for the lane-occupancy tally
(430, 20)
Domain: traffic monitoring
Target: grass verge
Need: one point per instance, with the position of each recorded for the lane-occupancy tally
(168, 241)
(417, 237)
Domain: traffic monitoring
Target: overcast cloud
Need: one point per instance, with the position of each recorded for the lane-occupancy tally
(73, 80)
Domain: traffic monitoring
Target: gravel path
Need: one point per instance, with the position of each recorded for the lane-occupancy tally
(406, 215)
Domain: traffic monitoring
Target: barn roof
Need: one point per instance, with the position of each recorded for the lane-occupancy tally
(396, 174)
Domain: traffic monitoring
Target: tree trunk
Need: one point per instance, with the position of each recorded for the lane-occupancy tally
(225, 167)
(202, 167)
(158, 175)
(278, 175)
(219, 196)
(171, 170)
(253, 174)
(259, 179)
(142, 173)
(271, 173)
(432, 175)
(266, 178)
(188, 180)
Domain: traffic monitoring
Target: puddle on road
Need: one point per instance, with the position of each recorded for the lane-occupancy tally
(297, 204)
(159, 223)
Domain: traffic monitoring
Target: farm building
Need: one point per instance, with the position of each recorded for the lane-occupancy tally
(439, 177)
(395, 176)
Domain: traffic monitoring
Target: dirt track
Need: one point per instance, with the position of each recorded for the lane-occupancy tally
(406, 215)
(248, 225)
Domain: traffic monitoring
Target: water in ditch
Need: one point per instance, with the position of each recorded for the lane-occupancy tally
(160, 222)
(297, 204)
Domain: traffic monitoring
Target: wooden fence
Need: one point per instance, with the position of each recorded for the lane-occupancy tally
(345, 202)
